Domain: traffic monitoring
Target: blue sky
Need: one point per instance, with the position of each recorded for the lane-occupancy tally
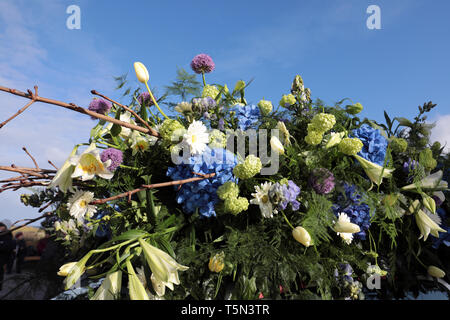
(327, 42)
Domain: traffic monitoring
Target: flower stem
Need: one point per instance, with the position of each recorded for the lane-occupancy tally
(285, 218)
(154, 101)
(128, 167)
(203, 78)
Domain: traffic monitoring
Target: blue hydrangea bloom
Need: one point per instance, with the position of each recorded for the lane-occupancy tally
(201, 194)
(247, 116)
(374, 144)
(358, 212)
(103, 229)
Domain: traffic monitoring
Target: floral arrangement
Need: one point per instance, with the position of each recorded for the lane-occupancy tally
(159, 204)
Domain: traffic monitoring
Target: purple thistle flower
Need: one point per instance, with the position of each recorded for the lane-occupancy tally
(115, 155)
(144, 97)
(202, 63)
(322, 181)
(100, 106)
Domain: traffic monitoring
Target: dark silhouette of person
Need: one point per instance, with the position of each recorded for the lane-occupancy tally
(6, 247)
(21, 251)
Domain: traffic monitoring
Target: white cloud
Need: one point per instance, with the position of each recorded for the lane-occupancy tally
(441, 132)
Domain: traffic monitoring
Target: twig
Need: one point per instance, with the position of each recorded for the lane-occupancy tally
(34, 161)
(23, 109)
(53, 165)
(152, 186)
(45, 207)
(47, 214)
(76, 108)
(154, 133)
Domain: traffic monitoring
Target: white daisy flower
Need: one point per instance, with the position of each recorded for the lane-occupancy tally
(79, 206)
(89, 164)
(196, 137)
(261, 198)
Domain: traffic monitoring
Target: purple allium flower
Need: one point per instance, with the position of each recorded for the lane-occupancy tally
(290, 193)
(100, 106)
(202, 63)
(144, 97)
(410, 165)
(322, 181)
(115, 155)
(203, 104)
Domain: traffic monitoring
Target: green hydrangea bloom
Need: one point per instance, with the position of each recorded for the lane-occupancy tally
(427, 160)
(314, 137)
(322, 122)
(171, 129)
(235, 205)
(287, 100)
(265, 107)
(284, 181)
(210, 91)
(217, 139)
(399, 145)
(229, 190)
(249, 168)
(350, 146)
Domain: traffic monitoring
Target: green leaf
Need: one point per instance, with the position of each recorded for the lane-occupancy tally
(388, 120)
(404, 122)
(129, 235)
(116, 129)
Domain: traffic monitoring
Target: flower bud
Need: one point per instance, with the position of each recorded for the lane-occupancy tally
(276, 145)
(239, 86)
(64, 270)
(335, 139)
(429, 202)
(354, 108)
(216, 263)
(346, 227)
(301, 235)
(141, 72)
(436, 272)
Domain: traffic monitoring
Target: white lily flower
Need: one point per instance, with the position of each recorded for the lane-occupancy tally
(163, 266)
(89, 164)
(433, 181)
(375, 172)
(63, 177)
(135, 286)
(110, 288)
(65, 269)
(428, 223)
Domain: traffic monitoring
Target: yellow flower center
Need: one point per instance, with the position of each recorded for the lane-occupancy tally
(83, 203)
(265, 199)
(194, 138)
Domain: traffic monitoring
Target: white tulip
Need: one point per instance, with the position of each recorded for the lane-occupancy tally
(141, 72)
(276, 145)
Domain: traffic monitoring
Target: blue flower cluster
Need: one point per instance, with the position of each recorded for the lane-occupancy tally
(358, 212)
(374, 148)
(202, 194)
(291, 192)
(247, 116)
